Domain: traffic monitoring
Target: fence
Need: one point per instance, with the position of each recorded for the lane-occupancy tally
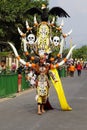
(9, 84)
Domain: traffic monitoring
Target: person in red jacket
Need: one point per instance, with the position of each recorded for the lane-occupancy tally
(79, 68)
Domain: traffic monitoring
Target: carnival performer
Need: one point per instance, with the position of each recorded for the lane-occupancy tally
(42, 89)
(40, 56)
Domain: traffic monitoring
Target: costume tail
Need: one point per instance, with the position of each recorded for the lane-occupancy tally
(60, 92)
(48, 105)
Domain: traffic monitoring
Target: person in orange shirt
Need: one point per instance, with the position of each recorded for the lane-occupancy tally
(72, 70)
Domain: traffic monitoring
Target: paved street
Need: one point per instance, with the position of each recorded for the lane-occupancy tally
(20, 112)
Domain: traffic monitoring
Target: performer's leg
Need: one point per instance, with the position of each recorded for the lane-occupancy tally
(39, 101)
(42, 108)
(39, 109)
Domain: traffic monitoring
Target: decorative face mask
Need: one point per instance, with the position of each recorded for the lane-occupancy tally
(41, 52)
(31, 39)
(56, 40)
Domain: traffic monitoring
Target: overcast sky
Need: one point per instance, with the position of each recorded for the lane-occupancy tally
(77, 9)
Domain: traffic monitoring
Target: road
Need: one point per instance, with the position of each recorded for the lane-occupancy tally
(20, 113)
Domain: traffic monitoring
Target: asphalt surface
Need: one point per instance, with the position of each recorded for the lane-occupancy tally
(20, 112)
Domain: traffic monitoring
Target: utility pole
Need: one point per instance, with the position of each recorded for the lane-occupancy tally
(71, 45)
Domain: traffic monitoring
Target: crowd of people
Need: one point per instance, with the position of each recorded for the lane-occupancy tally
(75, 65)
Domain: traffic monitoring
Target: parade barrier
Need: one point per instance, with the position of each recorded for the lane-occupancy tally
(25, 83)
(62, 72)
(9, 84)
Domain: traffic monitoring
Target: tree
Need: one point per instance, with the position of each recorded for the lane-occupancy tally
(11, 17)
(80, 53)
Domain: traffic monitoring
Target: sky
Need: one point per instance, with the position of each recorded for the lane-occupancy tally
(77, 9)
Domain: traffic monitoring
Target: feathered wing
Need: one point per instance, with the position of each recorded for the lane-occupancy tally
(58, 12)
(33, 11)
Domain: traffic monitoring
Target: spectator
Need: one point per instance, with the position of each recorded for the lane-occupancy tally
(19, 82)
(68, 71)
(3, 66)
(85, 66)
(31, 77)
(79, 68)
(20, 69)
(0, 68)
(13, 67)
(72, 70)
